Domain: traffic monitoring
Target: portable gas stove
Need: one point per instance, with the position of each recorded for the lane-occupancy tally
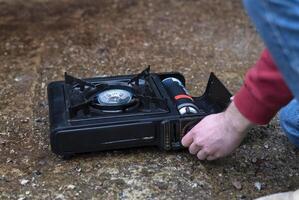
(108, 113)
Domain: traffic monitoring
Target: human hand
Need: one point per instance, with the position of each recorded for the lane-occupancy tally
(217, 135)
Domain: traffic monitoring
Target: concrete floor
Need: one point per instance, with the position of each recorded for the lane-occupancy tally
(41, 39)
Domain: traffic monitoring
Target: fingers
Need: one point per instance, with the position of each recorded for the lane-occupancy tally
(187, 139)
(202, 154)
(194, 148)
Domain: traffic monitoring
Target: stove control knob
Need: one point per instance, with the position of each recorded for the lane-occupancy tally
(187, 110)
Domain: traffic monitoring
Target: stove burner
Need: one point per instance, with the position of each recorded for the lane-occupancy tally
(96, 98)
(114, 97)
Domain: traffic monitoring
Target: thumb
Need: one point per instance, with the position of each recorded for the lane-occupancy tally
(187, 139)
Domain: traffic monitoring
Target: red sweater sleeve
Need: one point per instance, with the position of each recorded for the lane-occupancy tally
(264, 91)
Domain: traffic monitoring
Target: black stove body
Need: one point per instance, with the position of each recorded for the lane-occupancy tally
(108, 113)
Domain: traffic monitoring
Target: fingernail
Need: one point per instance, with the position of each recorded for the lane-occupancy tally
(183, 143)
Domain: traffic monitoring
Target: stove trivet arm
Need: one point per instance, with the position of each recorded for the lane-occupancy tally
(100, 87)
(82, 106)
(72, 80)
(143, 75)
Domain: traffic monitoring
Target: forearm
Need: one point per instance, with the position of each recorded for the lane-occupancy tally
(236, 119)
(263, 93)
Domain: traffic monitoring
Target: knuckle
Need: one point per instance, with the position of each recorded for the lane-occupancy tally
(191, 151)
(205, 151)
(197, 142)
(208, 151)
(200, 157)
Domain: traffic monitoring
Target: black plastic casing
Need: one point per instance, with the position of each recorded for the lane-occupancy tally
(70, 136)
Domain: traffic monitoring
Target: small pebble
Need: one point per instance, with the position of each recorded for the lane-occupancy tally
(17, 79)
(24, 181)
(25, 120)
(37, 172)
(2, 142)
(258, 186)
(78, 169)
(71, 187)
(237, 185)
(60, 196)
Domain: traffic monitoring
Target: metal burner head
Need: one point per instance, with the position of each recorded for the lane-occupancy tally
(114, 97)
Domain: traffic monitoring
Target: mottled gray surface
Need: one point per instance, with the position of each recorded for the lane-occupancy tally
(41, 39)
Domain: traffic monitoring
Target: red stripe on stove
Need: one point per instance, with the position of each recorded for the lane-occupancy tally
(182, 96)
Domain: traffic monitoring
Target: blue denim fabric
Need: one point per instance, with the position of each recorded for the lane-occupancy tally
(289, 121)
(277, 22)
